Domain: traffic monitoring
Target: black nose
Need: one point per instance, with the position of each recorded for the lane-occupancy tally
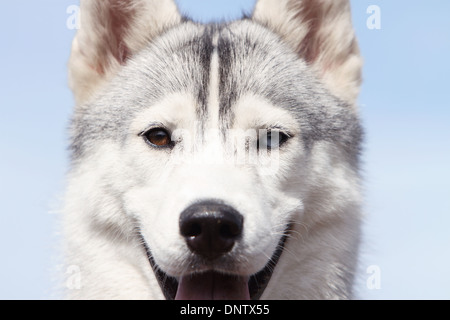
(211, 228)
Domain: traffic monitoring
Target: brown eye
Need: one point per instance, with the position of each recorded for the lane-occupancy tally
(158, 137)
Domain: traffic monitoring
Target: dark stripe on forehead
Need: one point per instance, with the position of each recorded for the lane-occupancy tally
(240, 57)
(227, 85)
(205, 49)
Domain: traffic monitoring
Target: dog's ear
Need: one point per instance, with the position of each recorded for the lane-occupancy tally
(321, 32)
(111, 31)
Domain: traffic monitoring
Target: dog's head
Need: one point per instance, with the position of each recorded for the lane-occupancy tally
(214, 143)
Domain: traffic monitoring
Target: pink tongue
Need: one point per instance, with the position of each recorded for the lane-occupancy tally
(212, 286)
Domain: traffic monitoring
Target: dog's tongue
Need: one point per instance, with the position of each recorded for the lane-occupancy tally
(212, 286)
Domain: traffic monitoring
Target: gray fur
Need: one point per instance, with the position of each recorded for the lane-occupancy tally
(137, 64)
(252, 60)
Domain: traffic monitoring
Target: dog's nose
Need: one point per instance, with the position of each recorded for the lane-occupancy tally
(211, 228)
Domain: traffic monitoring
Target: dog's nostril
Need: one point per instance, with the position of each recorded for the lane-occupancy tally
(229, 230)
(210, 228)
(192, 229)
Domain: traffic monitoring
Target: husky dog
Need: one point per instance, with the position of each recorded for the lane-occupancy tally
(158, 205)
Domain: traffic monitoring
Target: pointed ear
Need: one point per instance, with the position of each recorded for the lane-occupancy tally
(112, 31)
(321, 32)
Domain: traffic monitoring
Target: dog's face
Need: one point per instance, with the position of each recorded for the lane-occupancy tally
(205, 138)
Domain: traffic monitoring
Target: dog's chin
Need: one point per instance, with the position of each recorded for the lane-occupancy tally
(214, 285)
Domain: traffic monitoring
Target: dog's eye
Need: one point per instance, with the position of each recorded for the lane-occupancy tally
(271, 139)
(158, 137)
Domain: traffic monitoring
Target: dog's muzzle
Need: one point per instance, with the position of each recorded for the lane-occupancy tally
(211, 230)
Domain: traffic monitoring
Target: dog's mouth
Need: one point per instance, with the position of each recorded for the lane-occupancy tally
(217, 286)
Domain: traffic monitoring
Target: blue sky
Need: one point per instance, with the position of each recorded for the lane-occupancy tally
(404, 102)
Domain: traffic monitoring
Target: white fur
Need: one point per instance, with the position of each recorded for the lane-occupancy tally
(213, 103)
(116, 189)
